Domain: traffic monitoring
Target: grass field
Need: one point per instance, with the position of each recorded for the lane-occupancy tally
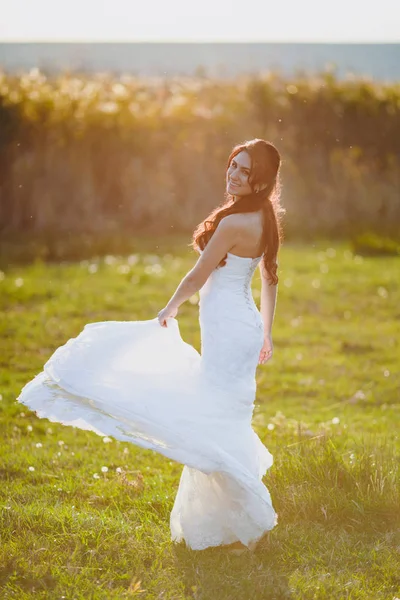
(77, 520)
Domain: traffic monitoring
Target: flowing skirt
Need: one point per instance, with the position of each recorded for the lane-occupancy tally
(141, 383)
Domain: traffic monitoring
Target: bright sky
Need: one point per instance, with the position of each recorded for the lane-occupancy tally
(201, 20)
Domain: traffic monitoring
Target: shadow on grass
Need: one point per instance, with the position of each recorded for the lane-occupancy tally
(295, 560)
(218, 573)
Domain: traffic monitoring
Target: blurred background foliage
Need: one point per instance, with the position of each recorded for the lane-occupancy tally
(84, 156)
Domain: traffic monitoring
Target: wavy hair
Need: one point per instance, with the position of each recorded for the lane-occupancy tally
(265, 171)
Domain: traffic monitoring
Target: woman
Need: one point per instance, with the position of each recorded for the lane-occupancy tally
(141, 383)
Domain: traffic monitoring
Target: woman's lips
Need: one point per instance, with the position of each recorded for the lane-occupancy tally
(233, 184)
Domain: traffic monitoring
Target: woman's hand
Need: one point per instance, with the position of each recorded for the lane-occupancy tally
(266, 350)
(166, 313)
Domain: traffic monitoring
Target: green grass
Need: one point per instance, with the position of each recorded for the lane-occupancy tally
(328, 408)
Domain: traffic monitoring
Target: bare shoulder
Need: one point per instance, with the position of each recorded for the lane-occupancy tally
(247, 229)
(249, 219)
(244, 224)
(233, 222)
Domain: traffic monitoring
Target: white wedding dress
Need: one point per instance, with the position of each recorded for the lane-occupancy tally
(139, 382)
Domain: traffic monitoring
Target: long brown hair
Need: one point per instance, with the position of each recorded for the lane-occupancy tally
(265, 170)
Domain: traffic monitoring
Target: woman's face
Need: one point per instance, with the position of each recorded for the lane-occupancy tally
(237, 175)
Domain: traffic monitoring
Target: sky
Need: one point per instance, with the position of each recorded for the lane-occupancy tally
(200, 20)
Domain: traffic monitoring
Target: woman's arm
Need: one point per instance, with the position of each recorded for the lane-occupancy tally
(223, 239)
(267, 310)
(268, 300)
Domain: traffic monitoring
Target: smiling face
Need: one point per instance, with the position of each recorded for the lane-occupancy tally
(237, 175)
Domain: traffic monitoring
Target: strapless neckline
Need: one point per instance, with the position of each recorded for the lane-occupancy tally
(244, 257)
(241, 257)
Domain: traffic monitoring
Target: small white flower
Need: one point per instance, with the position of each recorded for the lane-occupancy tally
(151, 259)
(104, 469)
(107, 440)
(58, 453)
(49, 430)
(270, 426)
(31, 468)
(39, 445)
(118, 470)
(1, 397)
(382, 292)
(386, 373)
(22, 414)
(331, 252)
(335, 420)
(19, 282)
(110, 260)
(61, 443)
(29, 428)
(126, 451)
(123, 269)
(92, 268)
(316, 283)
(96, 476)
(133, 259)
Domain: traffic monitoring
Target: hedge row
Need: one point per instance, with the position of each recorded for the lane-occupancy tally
(104, 154)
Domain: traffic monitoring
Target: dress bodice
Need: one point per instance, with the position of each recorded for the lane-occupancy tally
(227, 305)
(228, 288)
(233, 277)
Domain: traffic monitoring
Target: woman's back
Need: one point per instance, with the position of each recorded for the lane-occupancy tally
(249, 240)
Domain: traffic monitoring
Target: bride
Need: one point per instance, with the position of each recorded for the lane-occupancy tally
(139, 382)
